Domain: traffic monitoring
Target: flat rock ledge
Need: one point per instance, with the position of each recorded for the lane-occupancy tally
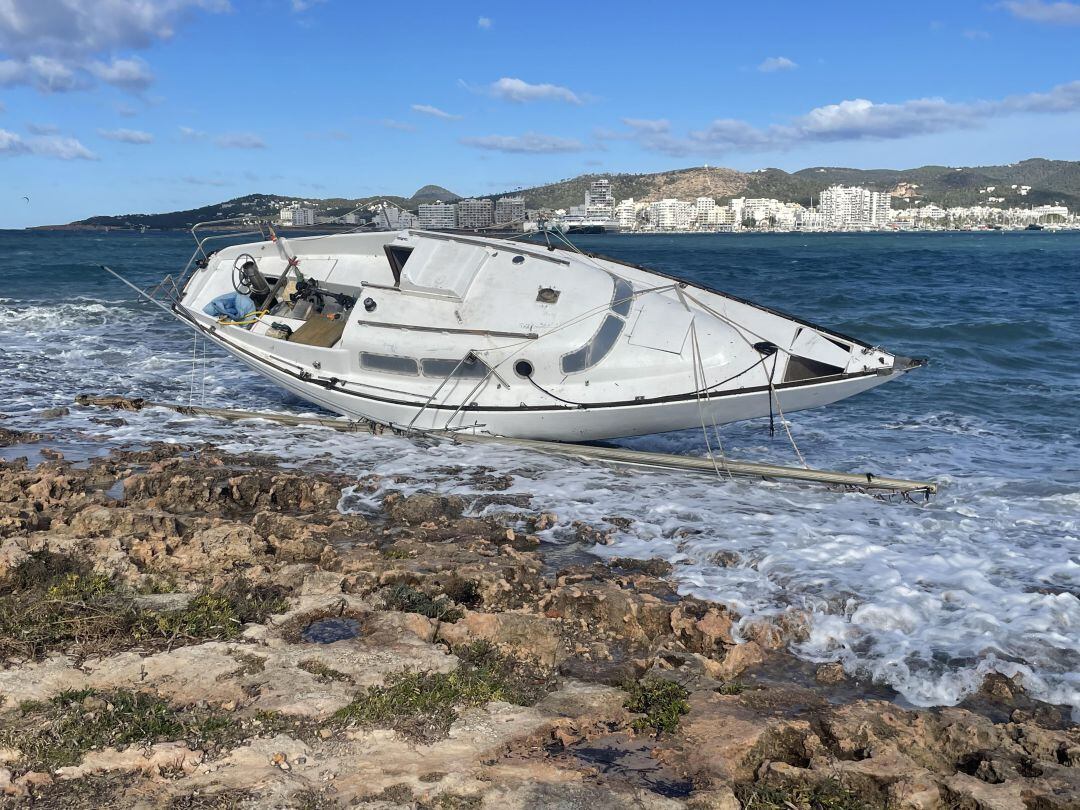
(184, 628)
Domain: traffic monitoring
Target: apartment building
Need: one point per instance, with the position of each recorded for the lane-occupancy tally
(438, 216)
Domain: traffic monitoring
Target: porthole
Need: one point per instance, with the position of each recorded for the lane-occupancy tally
(523, 368)
(518, 259)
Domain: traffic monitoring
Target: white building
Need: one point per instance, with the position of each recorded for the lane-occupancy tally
(626, 214)
(296, 215)
(509, 209)
(438, 216)
(671, 215)
(809, 220)
(392, 218)
(1041, 212)
(736, 206)
(473, 214)
(706, 213)
(726, 216)
(599, 204)
(855, 207)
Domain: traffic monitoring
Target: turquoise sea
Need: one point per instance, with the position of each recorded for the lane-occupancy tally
(923, 598)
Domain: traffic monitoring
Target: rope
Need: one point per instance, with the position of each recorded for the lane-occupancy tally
(247, 320)
(787, 428)
(772, 395)
(694, 357)
(191, 379)
(202, 370)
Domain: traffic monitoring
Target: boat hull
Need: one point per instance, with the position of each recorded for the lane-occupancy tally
(596, 422)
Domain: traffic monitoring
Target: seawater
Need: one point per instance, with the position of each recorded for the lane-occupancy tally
(925, 598)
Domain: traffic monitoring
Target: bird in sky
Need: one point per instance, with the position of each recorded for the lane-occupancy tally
(27, 200)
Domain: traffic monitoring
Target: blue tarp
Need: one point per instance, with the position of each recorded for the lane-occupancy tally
(233, 306)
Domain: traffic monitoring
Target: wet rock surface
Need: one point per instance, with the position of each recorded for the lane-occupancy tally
(184, 628)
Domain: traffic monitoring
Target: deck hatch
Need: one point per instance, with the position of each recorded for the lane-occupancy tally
(397, 255)
(803, 368)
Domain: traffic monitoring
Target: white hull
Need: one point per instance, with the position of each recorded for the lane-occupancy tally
(682, 356)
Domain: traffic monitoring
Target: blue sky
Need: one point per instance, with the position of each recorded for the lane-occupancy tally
(121, 106)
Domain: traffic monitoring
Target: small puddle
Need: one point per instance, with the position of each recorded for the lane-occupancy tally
(617, 756)
(327, 631)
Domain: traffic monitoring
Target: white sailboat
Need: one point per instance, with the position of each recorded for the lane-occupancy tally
(441, 331)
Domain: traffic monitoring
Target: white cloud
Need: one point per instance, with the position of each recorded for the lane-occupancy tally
(240, 140)
(485, 23)
(300, 6)
(519, 91)
(42, 129)
(135, 136)
(427, 109)
(189, 134)
(51, 44)
(530, 142)
(776, 63)
(44, 73)
(127, 74)
(1060, 13)
(204, 181)
(850, 120)
(54, 146)
(224, 140)
(11, 143)
(84, 27)
(648, 124)
(61, 148)
(402, 126)
(330, 135)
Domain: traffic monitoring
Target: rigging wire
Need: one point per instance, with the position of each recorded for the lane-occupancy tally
(697, 389)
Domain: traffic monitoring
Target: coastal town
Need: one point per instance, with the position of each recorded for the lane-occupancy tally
(837, 208)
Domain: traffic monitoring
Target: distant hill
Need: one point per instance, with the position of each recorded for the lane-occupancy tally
(686, 184)
(1050, 181)
(257, 205)
(430, 194)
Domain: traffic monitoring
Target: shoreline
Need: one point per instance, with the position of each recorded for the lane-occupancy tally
(188, 585)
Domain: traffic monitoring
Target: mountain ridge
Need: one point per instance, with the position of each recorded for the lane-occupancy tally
(1050, 181)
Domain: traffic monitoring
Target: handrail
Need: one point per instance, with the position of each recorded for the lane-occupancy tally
(200, 243)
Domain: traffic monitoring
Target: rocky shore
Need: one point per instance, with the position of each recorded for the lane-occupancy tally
(184, 628)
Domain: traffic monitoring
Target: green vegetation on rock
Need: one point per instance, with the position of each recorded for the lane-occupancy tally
(662, 702)
(826, 795)
(58, 732)
(53, 602)
(423, 705)
(409, 600)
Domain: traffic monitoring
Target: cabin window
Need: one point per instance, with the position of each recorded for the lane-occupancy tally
(604, 340)
(623, 297)
(388, 363)
(397, 256)
(596, 349)
(442, 368)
